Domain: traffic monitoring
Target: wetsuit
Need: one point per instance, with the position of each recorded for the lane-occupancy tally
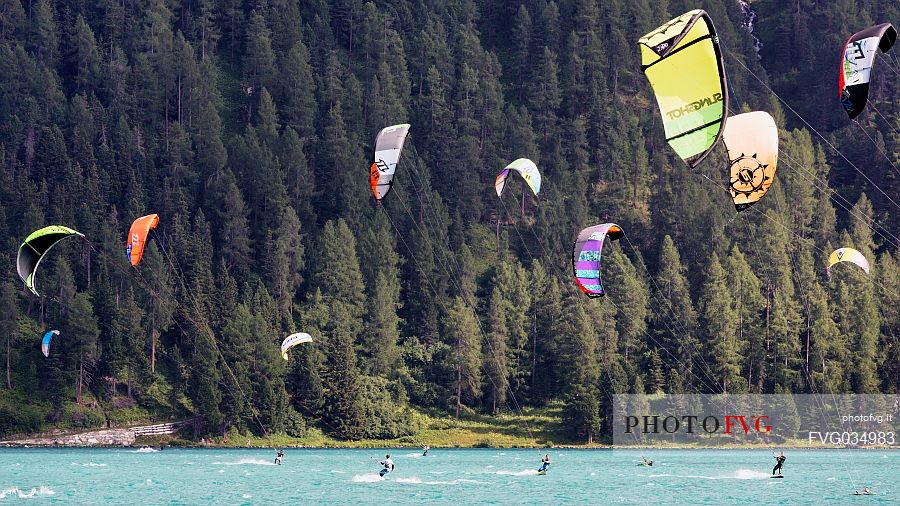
(388, 466)
(545, 464)
(279, 457)
(779, 463)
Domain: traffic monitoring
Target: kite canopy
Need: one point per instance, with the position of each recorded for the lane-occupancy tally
(526, 168)
(45, 342)
(752, 143)
(586, 256)
(35, 247)
(682, 61)
(847, 255)
(388, 146)
(293, 340)
(856, 65)
(137, 237)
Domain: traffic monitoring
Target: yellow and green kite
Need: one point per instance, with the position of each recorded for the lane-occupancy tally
(683, 63)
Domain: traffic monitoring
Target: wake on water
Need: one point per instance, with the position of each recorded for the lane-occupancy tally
(525, 472)
(414, 480)
(418, 481)
(740, 474)
(246, 461)
(367, 478)
(21, 494)
(145, 449)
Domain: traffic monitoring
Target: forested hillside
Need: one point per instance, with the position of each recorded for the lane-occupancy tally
(249, 128)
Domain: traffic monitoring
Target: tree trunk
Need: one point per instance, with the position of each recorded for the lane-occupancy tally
(129, 381)
(498, 232)
(768, 295)
(8, 370)
(533, 353)
(80, 379)
(458, 388)
(523, 203)
(153, 344)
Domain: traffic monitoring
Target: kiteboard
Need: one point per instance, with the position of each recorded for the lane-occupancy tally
(778, 476)
(542, 473)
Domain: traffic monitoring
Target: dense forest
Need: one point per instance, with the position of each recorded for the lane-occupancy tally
(248, 126)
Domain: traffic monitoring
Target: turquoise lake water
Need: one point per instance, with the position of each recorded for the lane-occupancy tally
(488, 476)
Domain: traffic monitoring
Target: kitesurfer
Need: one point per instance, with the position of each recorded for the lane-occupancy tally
(865, 491)
(779, 463)
(388, 466)
(425, 450)
(545, 464)
(279, 456)
(648, 463)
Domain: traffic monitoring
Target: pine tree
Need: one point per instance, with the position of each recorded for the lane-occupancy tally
(130, 318)
(463, 335)
(259, 62)
(522, 45)
(747, 304)
(83, 332)
(237, 351)
(304, 379)
(8, 315)
(495, 351)
(207, 31)
(546, 311)
(160, 293)
(674, 319)
(43, 38)
(719, 321)
(381, 275)
(207, 131)
(297, 91)
(632, 296)
(343, 409)
(85, 56)
(888, 276)
(580, 351)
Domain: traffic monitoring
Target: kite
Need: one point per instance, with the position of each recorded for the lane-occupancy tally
(388, 146)
(752, 143)
(527, 169)
(137, 237)
(45, 342)
(683, 63)
(847, 255)
(586, 256)
(293, 340)
(856, 65)
(35, 248)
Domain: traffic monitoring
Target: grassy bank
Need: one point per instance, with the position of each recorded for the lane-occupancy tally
(533, 428)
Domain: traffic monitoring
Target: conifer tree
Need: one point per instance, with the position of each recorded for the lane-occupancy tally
(674, 318)
(580, 353)
(259, 62)
(632, 296)
(747, 304)
(719, 322)
(8, 326)
(463, 335)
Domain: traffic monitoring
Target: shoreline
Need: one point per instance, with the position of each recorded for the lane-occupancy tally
(157, 447)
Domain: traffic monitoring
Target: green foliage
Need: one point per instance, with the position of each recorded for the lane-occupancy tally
(249, 129)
